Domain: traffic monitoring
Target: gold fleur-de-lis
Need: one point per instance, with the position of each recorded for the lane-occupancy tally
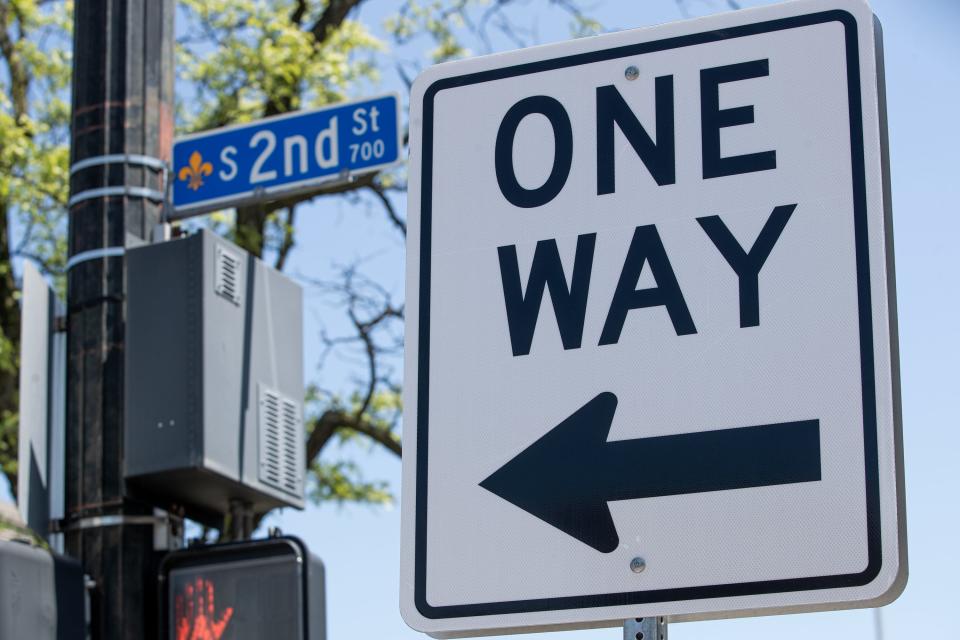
(195, 172)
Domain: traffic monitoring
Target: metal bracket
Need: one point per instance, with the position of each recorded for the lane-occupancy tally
(654, 628)
(241, 520)
(126, 191)
(120, 158)
(167, 204)
(94, 254)
(121, 190)
(260, 195)
(98, 522)
(167, 529)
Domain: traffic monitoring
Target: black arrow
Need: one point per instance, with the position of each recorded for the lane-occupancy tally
(567, 476)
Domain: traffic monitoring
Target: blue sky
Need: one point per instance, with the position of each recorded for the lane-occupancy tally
(360, 545)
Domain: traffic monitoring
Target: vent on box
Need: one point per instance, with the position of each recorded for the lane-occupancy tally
(281, 442)
(228, 280)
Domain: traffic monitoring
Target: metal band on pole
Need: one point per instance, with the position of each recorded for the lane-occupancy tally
(98, 522)
(650, 628)
(101, 192)
(120, 158)
(93, 254)
(134, 159)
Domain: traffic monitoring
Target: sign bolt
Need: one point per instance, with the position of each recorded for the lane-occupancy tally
(637, 565)
(631, 72)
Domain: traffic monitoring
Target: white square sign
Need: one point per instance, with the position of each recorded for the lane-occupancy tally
(651, 337)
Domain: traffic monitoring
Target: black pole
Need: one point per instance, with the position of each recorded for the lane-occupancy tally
(122, 104)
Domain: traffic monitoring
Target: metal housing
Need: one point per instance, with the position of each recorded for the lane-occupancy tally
(214, 378)
(272, 587)
(41, 594)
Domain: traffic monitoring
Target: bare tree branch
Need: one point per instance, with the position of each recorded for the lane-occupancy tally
(332, 17)
(372, 313)
(339, 188)
(42, 263)
(288, 240)
(397, 221)
(331, 421)
(251, 222)
(405, 77)
(323, 429)
(386, 437)
(299, 10)
(19, 80)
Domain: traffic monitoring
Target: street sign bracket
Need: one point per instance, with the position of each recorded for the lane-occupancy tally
(262, 196)
(133, 159)
(94, 254)
(648, 628)
(121, 158)
(112, 520)
(117, 190)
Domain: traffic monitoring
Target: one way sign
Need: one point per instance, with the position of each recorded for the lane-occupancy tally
(651, 346)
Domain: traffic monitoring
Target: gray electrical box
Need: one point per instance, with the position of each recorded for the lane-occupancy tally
(41, 594)
(214, 378)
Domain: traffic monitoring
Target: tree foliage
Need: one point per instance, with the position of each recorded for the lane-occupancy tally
(239, 60)
(34, 116)
(256, 58)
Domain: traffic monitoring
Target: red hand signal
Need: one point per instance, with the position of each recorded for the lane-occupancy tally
(195, 613)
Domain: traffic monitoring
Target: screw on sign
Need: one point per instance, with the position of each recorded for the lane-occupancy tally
(196, 617)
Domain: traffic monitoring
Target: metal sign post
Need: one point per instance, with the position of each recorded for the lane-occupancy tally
(121, 133)
(649, 628)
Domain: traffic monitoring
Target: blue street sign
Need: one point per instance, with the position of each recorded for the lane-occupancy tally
(275, 157)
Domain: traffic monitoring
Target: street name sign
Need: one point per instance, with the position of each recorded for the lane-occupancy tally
(284, 155)
(651, 335)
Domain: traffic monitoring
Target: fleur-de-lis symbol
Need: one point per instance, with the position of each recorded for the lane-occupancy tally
(195, 172)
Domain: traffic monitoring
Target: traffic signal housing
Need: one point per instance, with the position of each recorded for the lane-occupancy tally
(272, 588)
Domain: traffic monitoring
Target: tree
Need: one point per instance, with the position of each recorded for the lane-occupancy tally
(266, 55)
(239, 60)
(34, 117)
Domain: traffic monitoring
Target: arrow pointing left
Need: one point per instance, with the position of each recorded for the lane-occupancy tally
(567, 477)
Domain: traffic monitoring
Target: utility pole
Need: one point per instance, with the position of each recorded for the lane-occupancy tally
(121, 136)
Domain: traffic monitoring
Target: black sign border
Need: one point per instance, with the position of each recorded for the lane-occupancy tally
(871, 461)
